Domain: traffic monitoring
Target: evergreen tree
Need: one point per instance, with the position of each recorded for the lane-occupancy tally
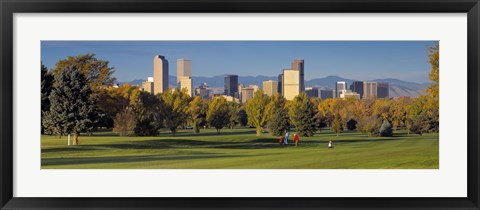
(303, 115)
(386, 129)
(149, 112)
(242, 116)
(279, 121)
(218, 114)
(351, 124)
(71, 104)
(46, 88)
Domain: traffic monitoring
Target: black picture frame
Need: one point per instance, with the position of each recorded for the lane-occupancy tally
(10, 7)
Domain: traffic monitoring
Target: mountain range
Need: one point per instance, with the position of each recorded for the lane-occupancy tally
(396, 87)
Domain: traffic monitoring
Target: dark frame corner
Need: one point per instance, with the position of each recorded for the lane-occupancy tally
(9, 7)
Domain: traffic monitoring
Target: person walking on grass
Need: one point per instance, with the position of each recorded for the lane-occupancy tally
(295, 138)
(281, 139)
(330, 144)
(287, 134)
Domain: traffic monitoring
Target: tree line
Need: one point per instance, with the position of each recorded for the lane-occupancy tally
(78, 96)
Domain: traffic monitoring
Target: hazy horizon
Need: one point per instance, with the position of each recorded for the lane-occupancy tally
(356, 60)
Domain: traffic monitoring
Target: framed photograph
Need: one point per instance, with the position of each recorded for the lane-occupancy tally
(239, 105)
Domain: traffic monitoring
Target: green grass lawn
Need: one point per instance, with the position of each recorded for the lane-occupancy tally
(241, 149)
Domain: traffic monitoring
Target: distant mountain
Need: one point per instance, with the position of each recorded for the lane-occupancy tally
(396, 87)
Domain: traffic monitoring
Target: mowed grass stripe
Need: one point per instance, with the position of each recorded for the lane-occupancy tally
(241, 149)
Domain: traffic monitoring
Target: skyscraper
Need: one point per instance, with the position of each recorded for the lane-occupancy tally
(291, 83)
(185, 83)
(339, 87)
(382, 90)
(148, 85)
(357, 86)
(247, 94)
(298, 64)
(184, 75)
(184, 68)
(369, 90)
(231, 85)
(270, 87)
(160, 74)
(311, 91)
(324, 94)
(280, 84)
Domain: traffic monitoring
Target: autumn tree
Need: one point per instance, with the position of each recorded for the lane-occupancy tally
(433, 102)
(218, 114)
(125, 123)
(279, 121)
(233, 109)
(71, 104)
(337, 124)
(302, 114)
(98, 71)
(197, 111)
(257, 112)
(175, 106)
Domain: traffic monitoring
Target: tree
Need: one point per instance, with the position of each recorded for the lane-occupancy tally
(303, 115)
(279, 121)
(386, 129)
(46, 88)
(125, 123)
(369, 125)
(351, 124)
(242, 116)
(257, 112)
(233, 108)
(98, 71)
(71, 104)
(433, 102)
(175, 108)
(149, 114)
(197, 110)
(418, 119)
(218, 113)
(337, 124)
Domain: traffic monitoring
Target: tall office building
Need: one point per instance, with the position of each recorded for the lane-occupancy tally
(231, 85)
(184, 75)
(324, 94)
(298, 64)
(148, 85)
(186, 83)
(291, 83)
(339, 87)
(270, 87)
(357, 86)
(382, 90)
(311, 91)
(202, 91)
(247, 94)
(184, 68)
(160, 74)
(280, 84)
(369, 90)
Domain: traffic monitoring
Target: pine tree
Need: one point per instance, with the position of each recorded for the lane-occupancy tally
(46, 88)
(386, 129)
(303, 115)
(279, 121)
(71, 104)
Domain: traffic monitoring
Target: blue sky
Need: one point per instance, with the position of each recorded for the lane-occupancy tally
(360, 60)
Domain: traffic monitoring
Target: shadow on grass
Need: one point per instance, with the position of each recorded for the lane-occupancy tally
(127, 159)
(78, 148)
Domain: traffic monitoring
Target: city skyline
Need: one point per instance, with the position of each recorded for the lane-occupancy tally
(404, 60)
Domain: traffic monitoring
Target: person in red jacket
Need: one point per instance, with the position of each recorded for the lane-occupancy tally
(281, 139)
(295, 138)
